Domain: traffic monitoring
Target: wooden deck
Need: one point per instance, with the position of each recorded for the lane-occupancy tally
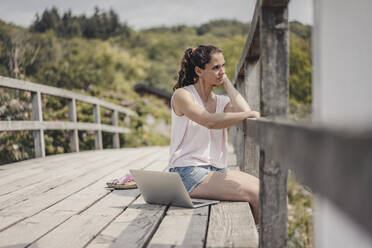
(62, 201)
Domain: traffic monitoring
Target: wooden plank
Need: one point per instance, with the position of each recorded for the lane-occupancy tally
(72, 115)
(10, 203)
(88, 224)
(274, 102)
(231, 224)
(239, 139)
(115, 136)
(21, 212)
(44, 89)
(231, 158)
(58, 125)
(37, 115)
(80, 228)
(274, 62)
(13, 169)
(135, 226)
(274, 3)
(97, 134)
(17, 170)
(46, 221)
(252, 85)
(45, 200)
(51, 173)
(252, 46)
(53, 178)
(181, 228)
(272, 202)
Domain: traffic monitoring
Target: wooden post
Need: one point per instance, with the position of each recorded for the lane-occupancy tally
(273, 203)
(252, 94)
(98, 133)
(115, 136)
(239, 138)
(274, 103)
(73, 134)
(37, 115)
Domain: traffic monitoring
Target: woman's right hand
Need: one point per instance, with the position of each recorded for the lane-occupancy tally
(255, 114)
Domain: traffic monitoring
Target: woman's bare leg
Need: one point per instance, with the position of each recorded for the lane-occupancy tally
(230, 186)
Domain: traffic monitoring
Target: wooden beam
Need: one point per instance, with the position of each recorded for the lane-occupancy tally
(44, 89)
(251, 47)
(273, 202)
(59, 125)
(334, 163)
(98, 133)
(72, 115)
(115, 136)
(231, 224)
(274, 61)
(274, 3)
(251, 154)
(37, 115)
(239, 138)
(273, 102)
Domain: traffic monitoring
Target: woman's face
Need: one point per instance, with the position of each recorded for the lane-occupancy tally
(214, 70)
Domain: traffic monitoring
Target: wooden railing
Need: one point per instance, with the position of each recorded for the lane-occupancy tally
(334, 163)
(38, 125)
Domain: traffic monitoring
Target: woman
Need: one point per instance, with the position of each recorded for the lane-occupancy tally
(198, 150)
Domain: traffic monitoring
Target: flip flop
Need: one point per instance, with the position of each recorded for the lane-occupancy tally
(125, 183)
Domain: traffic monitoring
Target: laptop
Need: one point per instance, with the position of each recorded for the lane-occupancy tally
(166, 188)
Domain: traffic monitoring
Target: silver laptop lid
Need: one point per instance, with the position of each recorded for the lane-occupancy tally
(162, 188)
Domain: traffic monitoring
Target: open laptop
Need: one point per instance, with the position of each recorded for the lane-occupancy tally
(166, 188)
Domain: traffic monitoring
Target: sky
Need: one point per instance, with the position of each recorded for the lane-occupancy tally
(141, 14)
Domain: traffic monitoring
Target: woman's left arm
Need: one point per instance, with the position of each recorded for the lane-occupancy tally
(237, 101)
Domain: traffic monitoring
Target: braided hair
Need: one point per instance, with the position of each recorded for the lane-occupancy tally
(191, 58)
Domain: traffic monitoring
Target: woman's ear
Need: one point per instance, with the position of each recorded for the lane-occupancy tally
(198, 70)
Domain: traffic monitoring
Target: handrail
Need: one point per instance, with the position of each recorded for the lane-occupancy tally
(332, 162)
(251, 48)
(53, 91)
(38, 125)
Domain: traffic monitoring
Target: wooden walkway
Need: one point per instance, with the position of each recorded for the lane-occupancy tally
(62, 201)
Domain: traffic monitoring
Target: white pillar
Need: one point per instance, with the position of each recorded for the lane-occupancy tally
(342, 96)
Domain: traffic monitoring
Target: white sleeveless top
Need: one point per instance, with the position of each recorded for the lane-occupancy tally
(193, 144)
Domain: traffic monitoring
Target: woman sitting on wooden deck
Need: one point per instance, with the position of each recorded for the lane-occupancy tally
(200, 118)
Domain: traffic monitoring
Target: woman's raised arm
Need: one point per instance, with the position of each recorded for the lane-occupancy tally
(237, 101)
(183, 104)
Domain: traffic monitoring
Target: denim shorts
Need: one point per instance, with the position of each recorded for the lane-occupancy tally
(193, 175)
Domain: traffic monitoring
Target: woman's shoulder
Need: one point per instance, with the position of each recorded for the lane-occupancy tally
(181, 97)
(182, 93)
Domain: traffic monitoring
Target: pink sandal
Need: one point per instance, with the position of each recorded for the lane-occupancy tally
(125, 183)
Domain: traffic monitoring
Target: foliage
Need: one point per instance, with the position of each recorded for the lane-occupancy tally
(101, 24)
(223, 28)
(300, 213)
(300, 71)
(16, 146)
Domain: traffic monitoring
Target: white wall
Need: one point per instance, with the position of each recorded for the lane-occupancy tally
(342, 96)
